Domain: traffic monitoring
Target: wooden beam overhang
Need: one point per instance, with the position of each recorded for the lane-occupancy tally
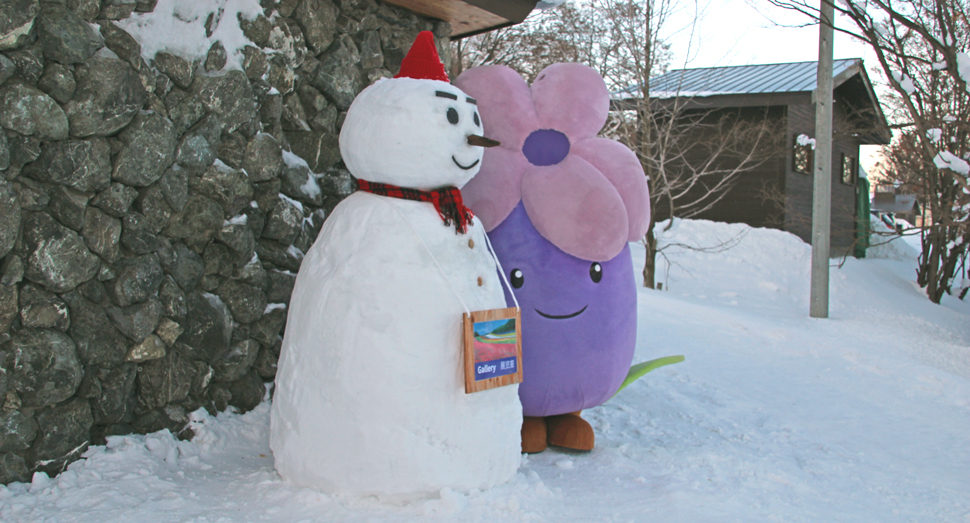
(471, 17)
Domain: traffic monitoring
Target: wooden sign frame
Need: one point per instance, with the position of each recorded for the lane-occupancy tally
(491, 373)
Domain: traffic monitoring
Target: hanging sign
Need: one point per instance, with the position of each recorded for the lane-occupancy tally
(493, 349)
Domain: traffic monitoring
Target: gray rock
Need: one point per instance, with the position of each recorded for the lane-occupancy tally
(232, 150)
(184, 266)
(292, 114)
(301, 185)
(137, 279)
(266, 363)
(65, 432)
(16, 21)
(136, 321)
(9, 217)
(114, 400)
(40, 309)
(371, 56)
(13, 468)
(58, 82)
(151, 348)
(338, 76)
(116, 199)
(121, 43)
(8, 307)
(175, 187)
(197, 149)
(149, 147)
(197, 222)
(82, 164)
(98, 342)
(102, 234)
(230, 97)
(280, 286)
(252, 273)
(337, 183)
(4, 152)
(68, 206)
(313, 101)
(228, 187)
(267, 330)
(320, 149)
(29, 63)
(64, 37)
(179, 70)
(263, 159)
(109, 93)
(236, 363)
(325, 120)
(247, 392)
(173, 299)
(7, 68)
(151, 202)
(215, 59)
(86, 10)
(278, 256)
(31, 195)
(169, 331)
(284, 221)
(30, 111)
(246, 302)
(286, 37)
(218, 261)
(56, 256)
(17, 431)
(23, 149)
(184, 110)
(93, 290)
(165, 380)
(208, 328)
(137, 235)
(47, 369)
(256, 30)
(239, 238)
(255, 64)
(281, 75)
(117, 9)
(318, 19)
(13, 270)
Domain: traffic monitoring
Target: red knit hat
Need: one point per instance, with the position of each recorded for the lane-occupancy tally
(422, 61)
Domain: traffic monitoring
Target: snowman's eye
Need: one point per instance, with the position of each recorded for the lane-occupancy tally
(452, 116)
(518, 279)
(596, 272)
(478, 123)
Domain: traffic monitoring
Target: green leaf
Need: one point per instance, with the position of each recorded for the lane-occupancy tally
(637, 371)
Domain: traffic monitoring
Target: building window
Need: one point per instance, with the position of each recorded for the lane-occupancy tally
(848, 170)
(802, 157)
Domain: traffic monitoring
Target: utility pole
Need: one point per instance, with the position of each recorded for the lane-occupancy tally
(822, 194)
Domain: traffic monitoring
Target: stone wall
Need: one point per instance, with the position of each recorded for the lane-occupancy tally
(153, 213)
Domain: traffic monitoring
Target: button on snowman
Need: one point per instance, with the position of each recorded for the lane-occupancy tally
(369, 395)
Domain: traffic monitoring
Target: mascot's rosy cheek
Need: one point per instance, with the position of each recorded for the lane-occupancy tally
(561, 205)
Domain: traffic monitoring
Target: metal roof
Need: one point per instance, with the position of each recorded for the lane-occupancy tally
(743, 79)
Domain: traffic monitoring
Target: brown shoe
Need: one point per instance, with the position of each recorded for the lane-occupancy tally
(570, 431)
(533, 434)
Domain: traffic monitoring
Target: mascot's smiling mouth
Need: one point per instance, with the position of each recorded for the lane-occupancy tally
(551, 317)
(460, 166)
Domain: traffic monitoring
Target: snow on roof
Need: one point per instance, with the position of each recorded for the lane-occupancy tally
(741, 79)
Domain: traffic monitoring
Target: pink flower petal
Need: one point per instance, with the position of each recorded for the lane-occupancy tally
(571, 98)
(576, 208)
(620, 165)
(500, 90)
(497, 188)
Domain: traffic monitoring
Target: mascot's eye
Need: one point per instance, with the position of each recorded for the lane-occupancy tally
(478, 123)
(517, 278)
(596, 272)
(452, 116)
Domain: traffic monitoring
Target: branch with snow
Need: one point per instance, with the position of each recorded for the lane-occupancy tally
(948, 160)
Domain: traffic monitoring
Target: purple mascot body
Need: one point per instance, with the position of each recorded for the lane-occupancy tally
(561, 205)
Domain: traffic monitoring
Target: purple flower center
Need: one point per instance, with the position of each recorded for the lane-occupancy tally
(545, 147)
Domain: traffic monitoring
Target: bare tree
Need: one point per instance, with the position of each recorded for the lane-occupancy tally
(918, 45)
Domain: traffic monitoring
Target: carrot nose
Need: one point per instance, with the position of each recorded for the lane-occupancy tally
(481, 141)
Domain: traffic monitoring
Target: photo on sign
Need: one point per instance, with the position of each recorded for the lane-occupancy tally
(492, 349)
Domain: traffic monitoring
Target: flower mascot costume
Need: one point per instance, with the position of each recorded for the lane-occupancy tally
(560, 206)
(370, 397)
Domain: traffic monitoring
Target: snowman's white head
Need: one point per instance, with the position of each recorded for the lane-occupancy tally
(412, 133)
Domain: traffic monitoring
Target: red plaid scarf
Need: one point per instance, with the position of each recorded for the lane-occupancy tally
(447, 201)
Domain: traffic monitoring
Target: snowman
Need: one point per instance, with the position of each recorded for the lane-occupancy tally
(370, 397)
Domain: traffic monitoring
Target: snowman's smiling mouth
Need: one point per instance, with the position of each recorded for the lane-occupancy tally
(465, 168)
(552, 317)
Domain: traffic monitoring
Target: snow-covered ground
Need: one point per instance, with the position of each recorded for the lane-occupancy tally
(774, 416)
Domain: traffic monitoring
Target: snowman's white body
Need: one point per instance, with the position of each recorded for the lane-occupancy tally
(370, 395)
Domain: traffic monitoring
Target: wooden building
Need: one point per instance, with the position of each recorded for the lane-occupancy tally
(471, 17)
(777, 193)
